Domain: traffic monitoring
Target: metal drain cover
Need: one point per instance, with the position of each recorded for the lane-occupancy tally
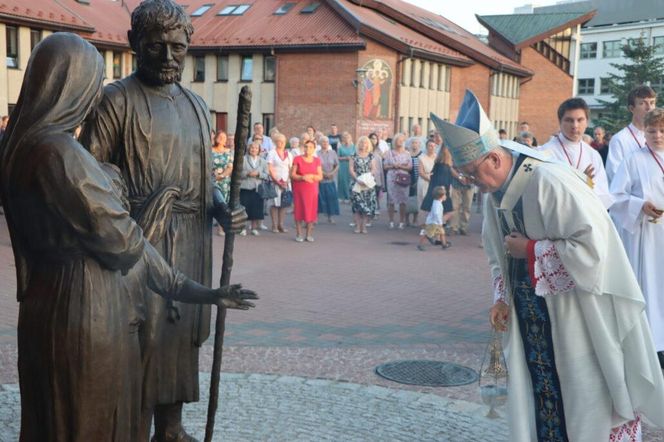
(427, 373)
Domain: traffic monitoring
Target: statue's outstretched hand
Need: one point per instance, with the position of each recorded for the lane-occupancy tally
(235, 297)
(231, 296)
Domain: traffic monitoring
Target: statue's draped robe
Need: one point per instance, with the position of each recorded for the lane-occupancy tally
(604, 354)
(74, 238)
(161, 145)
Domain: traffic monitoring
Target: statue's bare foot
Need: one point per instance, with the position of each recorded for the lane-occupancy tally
(180, 436)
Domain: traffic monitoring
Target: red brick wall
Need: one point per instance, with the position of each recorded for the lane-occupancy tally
(541, 96)
(315, 89)
(476, 78)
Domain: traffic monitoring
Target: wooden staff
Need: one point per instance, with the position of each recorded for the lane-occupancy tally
(241, 136)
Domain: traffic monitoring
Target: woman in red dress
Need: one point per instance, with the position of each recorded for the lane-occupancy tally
(305, 175)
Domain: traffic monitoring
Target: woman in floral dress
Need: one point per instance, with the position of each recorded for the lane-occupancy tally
(222, 158)
(363, 197)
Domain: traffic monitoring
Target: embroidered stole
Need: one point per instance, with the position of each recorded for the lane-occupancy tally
(532, 314)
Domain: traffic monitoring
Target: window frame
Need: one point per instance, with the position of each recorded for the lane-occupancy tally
(34, 42)
(590, 54)
(12, 53)
(242, 68)
(284, 9)
(274, 68)
(603, 82)
(117, 68)
(589, 85)
(221, 57)
(659, 47)
(613, 43)
(196, 71)
(202, 10)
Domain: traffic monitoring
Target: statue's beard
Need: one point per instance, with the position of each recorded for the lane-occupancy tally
(162, 75)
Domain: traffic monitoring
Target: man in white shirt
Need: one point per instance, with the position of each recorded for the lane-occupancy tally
(382, 143)
(640, 101)
(416, 133)
(267, 144)
(569, 148)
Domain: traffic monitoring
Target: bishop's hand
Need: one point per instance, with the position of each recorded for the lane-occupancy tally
(516, 245)
(499, 315)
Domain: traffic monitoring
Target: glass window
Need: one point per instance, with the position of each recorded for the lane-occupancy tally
(227, 10)
(246, 68)
(586, 86)
(612, 49)
(283, 9)
(588, 50)
(222, 67)
(234, 10)
(117, 65)
(268, 122)
(310, 8)
(202, 10)
(657, 84)
(199, 68)
(658, 43)
(12, 46)
(269, 68)
(604, 86)
(35, 38)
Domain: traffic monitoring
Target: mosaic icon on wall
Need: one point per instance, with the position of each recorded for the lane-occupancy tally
(377, 90)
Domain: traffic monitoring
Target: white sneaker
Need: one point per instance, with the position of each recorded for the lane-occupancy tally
(351, 224)
(263, 227)
(368, 224)
(254, 232)
(422, 232)
(299, 239)
(391, 226)
(243, 232)
(401, 226)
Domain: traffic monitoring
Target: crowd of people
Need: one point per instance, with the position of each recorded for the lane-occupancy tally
(315, 175)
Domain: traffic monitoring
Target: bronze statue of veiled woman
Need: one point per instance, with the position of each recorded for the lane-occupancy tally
(73, 243)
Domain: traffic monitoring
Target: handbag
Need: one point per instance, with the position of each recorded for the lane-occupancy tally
(286, 198)
(402, 179)
(266, 190)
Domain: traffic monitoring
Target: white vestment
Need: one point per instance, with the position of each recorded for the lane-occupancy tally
(604, 354)
(640, 179)
(622, 144)
(580, 155)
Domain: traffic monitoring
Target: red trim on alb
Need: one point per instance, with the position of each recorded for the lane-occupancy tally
(530, 248)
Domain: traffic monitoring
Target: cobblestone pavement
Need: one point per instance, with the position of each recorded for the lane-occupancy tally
(329, 313)
(258, 407)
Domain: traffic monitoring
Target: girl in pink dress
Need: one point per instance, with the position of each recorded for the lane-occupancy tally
(305, 175)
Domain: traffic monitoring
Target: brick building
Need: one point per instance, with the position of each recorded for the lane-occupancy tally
(362, 64)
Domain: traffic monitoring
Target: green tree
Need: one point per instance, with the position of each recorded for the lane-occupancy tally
(642, 67)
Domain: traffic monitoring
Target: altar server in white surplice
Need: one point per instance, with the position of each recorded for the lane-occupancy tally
(640, 101)
(569, 148)
(638, 187)
(581, 360)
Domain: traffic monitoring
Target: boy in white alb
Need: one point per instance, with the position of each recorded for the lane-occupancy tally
(569, 148)
(640, 101)
(434, 231)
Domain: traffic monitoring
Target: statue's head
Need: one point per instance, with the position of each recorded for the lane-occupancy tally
(160, 35)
